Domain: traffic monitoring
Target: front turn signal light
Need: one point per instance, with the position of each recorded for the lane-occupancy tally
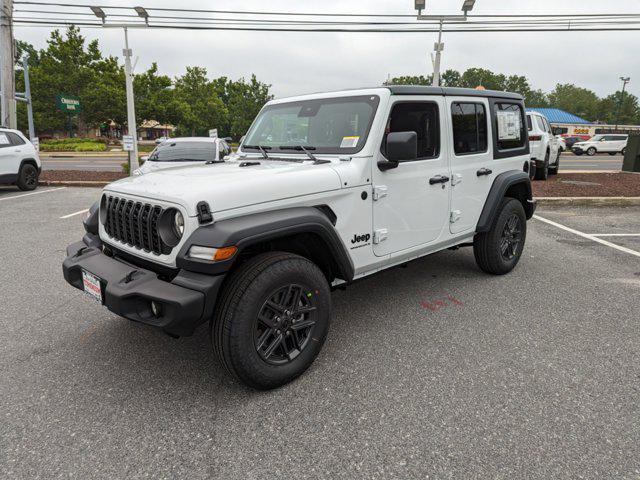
(212, 254)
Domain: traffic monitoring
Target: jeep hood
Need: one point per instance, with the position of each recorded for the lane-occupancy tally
(228, 185)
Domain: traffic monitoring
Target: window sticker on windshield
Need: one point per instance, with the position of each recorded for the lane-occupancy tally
(4, 140)
(349, 142)
(508, 125)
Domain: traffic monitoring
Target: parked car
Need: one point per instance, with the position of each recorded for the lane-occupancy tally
(255, 244)
(184, 151)
(160, 140)
(543, 145)
(611, 144)
(19, 160)
(570, 141)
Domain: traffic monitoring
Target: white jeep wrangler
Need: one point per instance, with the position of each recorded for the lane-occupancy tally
(325, 189)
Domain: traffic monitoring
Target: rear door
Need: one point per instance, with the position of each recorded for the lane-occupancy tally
(471, 160)
(411, 201)
(7, 156)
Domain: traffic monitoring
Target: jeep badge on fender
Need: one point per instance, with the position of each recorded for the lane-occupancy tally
(279, 234)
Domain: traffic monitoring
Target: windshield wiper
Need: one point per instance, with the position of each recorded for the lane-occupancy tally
(301, 148)
(263, 149)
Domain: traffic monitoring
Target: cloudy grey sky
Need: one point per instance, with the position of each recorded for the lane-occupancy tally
(295, 63)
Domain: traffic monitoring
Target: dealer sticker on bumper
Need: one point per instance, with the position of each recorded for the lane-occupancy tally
(92, 286)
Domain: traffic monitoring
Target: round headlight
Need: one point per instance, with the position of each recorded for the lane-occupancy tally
(178, 224)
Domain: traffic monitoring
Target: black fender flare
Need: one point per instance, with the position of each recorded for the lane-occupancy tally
(501, 185)
(32, 161)
(248, 230)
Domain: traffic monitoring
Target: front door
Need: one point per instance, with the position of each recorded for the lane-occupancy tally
(471, 161)
(411, 201)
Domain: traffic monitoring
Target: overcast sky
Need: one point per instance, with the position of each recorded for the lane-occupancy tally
(295, 63)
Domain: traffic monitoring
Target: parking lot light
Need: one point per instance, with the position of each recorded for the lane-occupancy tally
(142, 13)
(99, 12)
(467, 6)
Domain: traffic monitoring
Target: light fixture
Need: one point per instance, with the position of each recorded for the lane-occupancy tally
(99, 12)
(467, 6)
(142, 13)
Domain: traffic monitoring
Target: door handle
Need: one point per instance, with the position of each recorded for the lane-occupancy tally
(484, 171)
(438, 179)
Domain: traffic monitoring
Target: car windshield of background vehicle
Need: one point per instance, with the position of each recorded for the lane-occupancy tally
(326, 125)
(184, 152)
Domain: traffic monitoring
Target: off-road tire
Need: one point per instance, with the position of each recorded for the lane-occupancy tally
(542, 173)
(233, 327)
(27, 177)
(554, 170)
(486, 245)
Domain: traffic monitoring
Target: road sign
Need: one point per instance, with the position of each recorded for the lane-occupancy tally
(68, 103)
(127, 143)
(213, 133)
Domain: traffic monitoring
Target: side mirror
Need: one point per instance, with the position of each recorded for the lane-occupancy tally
(401, 147)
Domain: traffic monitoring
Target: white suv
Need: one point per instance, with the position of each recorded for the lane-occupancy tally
(326, 189)
(545, 148)
(19, 161)
(611, 144)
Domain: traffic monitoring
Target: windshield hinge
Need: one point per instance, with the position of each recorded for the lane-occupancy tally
(380, 235)
(379, 192)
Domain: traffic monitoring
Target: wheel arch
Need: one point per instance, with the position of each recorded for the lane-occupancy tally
(515, 184)
(305, 231)
(30, 161)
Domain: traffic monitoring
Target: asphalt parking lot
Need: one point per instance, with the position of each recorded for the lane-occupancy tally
(432, 371)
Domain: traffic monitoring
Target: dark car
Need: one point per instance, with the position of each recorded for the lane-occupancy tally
(569, 141)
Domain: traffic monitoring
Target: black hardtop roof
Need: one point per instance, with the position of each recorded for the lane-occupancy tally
(426, 90)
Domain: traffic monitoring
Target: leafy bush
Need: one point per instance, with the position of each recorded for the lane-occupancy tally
(73, 145)
(125, 166)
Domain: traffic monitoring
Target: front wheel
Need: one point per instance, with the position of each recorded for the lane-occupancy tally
(499, 250)
(624, 150)
(554, 170)
(272, 319)
(27, 177)
(591, 151)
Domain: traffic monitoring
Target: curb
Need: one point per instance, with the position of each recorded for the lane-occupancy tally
(588, 201)
(74, 183)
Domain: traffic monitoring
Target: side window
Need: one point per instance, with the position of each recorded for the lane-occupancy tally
(547, 126)
(4, 140)
(540, 123)
(509, 125)
(15, 139)
(420, 117)
(469, 122)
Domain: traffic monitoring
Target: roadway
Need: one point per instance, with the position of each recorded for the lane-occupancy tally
(568, 162)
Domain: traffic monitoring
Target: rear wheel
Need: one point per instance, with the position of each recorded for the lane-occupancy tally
(499, 250)
(624, 150)
(591, 151)
(613, 153)
(272, 319)
(543, 172)
(27, 177)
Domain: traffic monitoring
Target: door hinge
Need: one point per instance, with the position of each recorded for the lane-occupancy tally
(379, 192)
(380, 235)
(456, 178)
(455, 216)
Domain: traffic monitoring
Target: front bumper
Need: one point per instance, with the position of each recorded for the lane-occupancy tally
(128, 290)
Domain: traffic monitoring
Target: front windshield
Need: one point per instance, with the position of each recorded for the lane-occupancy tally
(327, 125)
(595, 138)
(184, 152)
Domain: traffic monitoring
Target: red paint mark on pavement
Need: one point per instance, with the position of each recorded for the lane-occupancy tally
(436, 305)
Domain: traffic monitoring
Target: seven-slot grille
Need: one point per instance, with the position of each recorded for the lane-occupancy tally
(135, 223)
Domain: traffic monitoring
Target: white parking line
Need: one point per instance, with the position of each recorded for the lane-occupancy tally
(74, 213)
(586, 235)
(615, 234)
(32, 193)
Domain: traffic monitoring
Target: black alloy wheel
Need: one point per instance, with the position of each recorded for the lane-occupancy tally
(284, 324)
(511, 237)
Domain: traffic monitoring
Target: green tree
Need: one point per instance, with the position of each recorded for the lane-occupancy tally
(450, 78)
(577, 100)
(243, 100)
(155, 97)
(198, 106)
(616, 109)
(475, 77)
(536, 98)
(410, 80)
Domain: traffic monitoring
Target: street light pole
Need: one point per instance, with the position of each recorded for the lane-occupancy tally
(625, 80)
(7, 72)
(131, 109)
(438, 48)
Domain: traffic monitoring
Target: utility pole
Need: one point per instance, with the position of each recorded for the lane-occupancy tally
(625, 80)
(7, 75)
(438, 47)
(27, 96)
(131, 111)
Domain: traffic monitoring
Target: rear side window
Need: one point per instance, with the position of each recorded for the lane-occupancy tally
(469, 127)
(15, 139)
(509, 125)
(5, 141)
